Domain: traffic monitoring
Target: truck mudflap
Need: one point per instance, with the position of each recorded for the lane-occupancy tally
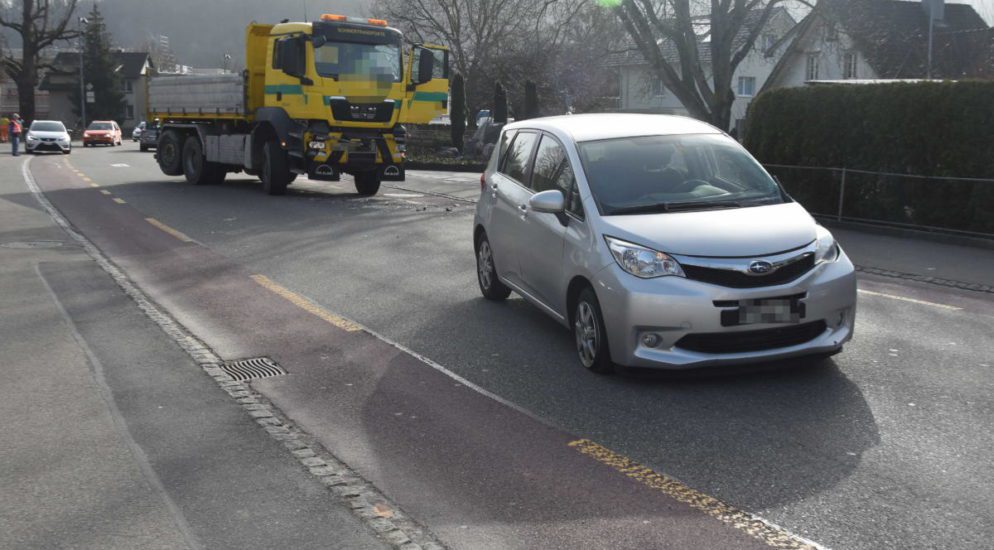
(392, 172)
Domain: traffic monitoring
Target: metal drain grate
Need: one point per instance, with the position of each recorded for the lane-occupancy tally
(252, 369)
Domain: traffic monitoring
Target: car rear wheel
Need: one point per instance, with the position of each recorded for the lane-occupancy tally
(486, 272)
(590, 335)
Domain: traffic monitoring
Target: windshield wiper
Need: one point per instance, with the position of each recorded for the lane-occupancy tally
(701, 205)
(640, 209)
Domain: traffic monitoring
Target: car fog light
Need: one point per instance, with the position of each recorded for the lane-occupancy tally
(651, 340)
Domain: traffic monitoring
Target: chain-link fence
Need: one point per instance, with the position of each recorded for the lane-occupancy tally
(951, 204)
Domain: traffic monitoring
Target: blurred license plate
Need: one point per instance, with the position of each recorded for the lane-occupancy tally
(753, 312)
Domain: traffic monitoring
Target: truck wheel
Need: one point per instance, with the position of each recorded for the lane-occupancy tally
(196, 168)
(275, 169)
(367, 183)
(169, 154)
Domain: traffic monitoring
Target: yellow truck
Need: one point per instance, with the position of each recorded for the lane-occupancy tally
(320, 98)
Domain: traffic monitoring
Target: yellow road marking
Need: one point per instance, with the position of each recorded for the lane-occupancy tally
(912, 300)
(755, 526)
(119, 201)
(104, 192)
(307, 305)
(169, 230)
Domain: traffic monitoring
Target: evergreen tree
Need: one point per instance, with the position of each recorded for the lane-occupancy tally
(500, 103)
(458, 115)
(101, 74)
(531, 99)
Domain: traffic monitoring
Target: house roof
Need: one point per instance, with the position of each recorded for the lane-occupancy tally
(892, 37)
(66, 65)
(632, 55)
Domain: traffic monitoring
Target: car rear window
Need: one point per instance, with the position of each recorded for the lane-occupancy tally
(100, 126)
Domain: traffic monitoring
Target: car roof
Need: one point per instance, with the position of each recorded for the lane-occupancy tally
(56, 121)
(595, 126)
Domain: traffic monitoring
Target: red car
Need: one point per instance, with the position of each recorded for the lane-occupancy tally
(106, 132)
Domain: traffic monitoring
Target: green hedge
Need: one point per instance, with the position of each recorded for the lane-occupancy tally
(928, 128)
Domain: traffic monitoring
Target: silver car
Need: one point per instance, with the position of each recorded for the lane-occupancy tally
(660, 242)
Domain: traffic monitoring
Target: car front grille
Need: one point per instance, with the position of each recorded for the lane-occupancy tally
(752, 340)
(737, 279)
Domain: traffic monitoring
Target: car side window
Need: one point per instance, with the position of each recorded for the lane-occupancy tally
(548, 164)
(567, 183)
(505, 140)
(518, 156)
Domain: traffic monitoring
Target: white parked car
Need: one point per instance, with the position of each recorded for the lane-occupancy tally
(136, 134)
(47, 135)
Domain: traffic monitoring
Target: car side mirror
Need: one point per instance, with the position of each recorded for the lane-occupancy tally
(548, 202)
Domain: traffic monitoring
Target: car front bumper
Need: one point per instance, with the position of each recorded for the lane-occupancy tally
(37, 146)
(673, 308)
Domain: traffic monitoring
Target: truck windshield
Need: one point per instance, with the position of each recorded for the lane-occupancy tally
(352, 61)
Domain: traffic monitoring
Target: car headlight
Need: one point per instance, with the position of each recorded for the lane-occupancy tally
(827, 249)
(32, 138)
(642, 262)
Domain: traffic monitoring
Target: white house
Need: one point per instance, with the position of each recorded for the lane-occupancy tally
(642, 91)
(858, 40)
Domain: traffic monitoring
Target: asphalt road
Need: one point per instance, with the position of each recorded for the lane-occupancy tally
(885, 446)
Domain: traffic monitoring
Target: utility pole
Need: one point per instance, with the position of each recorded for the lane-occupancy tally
(82, 86)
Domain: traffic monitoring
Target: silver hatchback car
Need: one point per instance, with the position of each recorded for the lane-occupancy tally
(660, 242)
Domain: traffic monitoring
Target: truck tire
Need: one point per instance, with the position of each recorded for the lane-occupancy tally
(196, 168)
(367, 184)
(275, 169)
(169, 153)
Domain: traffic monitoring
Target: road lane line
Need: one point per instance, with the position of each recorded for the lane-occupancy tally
(757, 527)
(912, 300)
(179, 235)
(104, 192)
(120, 201)
(94, 184)
(306, 304)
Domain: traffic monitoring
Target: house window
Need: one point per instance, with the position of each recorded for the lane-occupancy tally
(129, 112)
(747, 86)
(657, 87)
(849, 65)
(831, 32)
(812, 68)
(768, 41)
(128, 86)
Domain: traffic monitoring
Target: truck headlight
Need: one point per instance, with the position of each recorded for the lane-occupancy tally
(316, 145)
(827, 249)
(642, 262)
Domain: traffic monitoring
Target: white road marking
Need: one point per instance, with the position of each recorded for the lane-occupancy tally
(121, 165)
(912, 300)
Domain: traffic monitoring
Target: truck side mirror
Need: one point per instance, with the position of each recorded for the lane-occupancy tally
(426, 65)
(293, 56)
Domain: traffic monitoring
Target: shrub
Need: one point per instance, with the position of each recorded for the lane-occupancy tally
(927, 128)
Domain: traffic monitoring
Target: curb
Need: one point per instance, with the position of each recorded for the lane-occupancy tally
(443, 167)
(908, 233)
(376, 512)
(962, 285)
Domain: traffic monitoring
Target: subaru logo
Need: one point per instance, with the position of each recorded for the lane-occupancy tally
(760, 267)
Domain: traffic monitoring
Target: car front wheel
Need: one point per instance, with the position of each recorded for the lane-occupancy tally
(590, 334)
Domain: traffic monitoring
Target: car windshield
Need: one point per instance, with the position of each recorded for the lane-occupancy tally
(352, 61)
(48, 127)
(100, 126)
(670, 173)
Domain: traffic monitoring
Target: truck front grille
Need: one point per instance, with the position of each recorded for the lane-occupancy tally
(344, 111)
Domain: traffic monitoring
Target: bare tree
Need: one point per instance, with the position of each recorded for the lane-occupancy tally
(676, 36)
(40, 24)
